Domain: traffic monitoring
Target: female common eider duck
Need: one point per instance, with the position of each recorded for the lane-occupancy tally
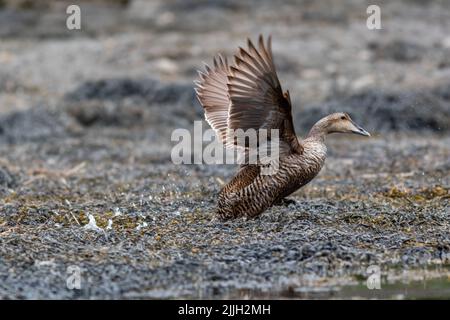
(246, 96)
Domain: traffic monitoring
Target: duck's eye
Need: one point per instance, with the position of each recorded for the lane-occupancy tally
(342, 118)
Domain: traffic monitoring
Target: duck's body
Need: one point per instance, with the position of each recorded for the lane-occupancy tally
(250, 193)
(249, 96)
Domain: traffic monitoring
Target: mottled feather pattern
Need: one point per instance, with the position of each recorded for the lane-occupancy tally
(265, 190)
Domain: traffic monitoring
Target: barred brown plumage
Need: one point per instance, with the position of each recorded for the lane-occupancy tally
(246, 96)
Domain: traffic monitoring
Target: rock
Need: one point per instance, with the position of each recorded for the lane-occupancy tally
(150, 90)
(125, 102)
(31, 125)
(107, 113)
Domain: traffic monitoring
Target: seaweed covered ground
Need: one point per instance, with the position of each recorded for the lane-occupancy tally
(87, 182)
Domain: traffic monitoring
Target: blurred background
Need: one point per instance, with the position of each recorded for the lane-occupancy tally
(85, 123)
(323, 50)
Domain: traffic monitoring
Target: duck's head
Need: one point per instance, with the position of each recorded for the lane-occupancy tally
(337, 123)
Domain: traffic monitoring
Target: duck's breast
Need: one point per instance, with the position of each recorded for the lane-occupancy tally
(313, 156)
(297, 170)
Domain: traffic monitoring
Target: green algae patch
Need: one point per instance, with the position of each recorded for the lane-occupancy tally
(426, 193)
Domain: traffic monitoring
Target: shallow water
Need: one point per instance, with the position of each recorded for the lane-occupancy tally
(436, 288)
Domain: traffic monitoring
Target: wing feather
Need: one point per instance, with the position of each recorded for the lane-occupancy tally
(212, 92)
(246, 96)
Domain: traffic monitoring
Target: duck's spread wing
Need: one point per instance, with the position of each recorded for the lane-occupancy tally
(257, 99)
(212, 92)
(247, 96)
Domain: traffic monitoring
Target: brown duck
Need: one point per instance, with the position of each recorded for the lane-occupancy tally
(248, 95)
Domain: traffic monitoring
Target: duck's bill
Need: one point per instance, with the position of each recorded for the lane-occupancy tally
(361, 131)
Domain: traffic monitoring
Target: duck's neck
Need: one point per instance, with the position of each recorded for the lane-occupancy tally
(318, 131)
